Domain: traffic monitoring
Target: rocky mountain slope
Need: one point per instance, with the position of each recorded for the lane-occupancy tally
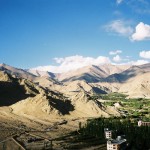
(42, 78)
(24, 96)
(40, 94)
(27, 97)
(137, 87)
(133, 82)
(13, 89)
(92, 73)
(131, 72)
(41, 73)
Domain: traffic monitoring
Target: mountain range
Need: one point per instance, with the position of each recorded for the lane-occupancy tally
(37, 93)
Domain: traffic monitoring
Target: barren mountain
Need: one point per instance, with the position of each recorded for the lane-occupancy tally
(13, 90)
(92, 73)
(41, 73)
(39, 95)
(43, 105)
(27, 98)
(20, 93)
(15, 72)
(78, 86)
(131, 72)
(85, 107)
(134, 82)
(137, 87)
(44, 79)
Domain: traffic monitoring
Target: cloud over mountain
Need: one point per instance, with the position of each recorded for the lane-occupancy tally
(139, 62)
(117, 58)
(72, 63)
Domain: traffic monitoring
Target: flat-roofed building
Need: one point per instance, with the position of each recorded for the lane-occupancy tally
(108, 133)
(142, 123)
(117, 144)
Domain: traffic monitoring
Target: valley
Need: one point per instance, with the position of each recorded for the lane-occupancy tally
(42, 108)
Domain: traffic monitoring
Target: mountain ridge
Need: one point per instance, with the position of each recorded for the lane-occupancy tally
(45, 95)
(27, 97)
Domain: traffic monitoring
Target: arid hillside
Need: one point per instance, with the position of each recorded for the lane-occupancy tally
(42, 94)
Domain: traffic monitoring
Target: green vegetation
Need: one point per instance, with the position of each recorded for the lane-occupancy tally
(137, 137)
(92, 134)
(134, 107)
(110, 96)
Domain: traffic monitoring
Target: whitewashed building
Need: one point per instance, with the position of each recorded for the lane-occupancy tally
(108, 133)
(142, 123)
(117, 144)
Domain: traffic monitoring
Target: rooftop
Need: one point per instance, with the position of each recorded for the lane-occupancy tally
(119, 140)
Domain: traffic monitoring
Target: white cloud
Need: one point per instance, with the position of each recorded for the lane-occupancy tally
(136, 63)
(117, 58)
(139, 62)
(75, 62)
(142, 32)
(120, 27)
(115, 52)
(72, 63)
(59, 60)
(119, 1)
(145, 54)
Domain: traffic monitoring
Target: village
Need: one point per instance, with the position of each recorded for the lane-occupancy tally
(120, 143)
(29, 140)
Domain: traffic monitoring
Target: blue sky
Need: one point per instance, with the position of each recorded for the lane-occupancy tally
(57, 33)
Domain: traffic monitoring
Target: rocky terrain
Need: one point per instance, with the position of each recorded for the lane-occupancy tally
(36, 93)
(38, 100)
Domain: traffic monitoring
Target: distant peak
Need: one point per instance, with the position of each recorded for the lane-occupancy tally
(3, 64)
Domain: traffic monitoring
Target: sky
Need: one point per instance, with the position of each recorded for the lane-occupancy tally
(63, 35)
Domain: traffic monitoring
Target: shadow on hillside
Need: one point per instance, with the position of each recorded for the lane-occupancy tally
(10, 93)
(125, 75)
(99, 91)
(63, 106)
(118, 78)
(85, 77)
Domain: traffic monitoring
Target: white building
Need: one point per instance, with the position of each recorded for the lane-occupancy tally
(141, 123)
(118, 144)
(108, 133)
